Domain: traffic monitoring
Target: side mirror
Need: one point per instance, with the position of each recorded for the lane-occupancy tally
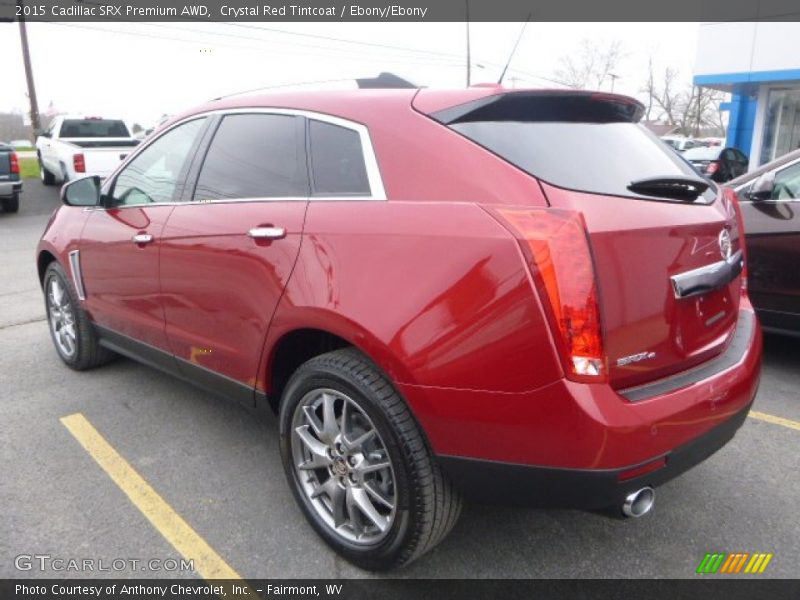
(762, 187)
(82, 192)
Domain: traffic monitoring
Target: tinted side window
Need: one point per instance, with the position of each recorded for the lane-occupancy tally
(155, 174)
(337, 161)
(255, 156)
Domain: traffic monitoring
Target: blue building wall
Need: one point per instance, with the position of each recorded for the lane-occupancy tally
(742, 118)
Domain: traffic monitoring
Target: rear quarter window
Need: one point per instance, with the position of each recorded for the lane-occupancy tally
(337, 161)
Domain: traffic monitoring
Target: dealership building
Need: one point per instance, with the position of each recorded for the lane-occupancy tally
(759, 64)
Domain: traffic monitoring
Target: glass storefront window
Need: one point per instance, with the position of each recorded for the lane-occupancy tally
(782, 123)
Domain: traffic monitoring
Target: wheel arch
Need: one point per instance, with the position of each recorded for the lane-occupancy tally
(43, 260)
(293, 346)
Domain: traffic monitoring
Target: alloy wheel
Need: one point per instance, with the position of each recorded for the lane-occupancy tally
(62, 318)
(342, 466)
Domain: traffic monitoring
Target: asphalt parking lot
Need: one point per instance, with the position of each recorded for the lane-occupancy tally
(218, 467)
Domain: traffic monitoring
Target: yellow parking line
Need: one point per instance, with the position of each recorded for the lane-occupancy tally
(774, 420)
(207, 563)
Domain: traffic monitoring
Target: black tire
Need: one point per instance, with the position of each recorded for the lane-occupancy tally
(88, 353)
(11, 205)
(47, 177)
(427, 505)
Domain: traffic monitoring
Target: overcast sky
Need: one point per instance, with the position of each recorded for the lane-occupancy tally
(143, 70)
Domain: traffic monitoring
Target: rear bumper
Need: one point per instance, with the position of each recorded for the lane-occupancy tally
(9, 188)
(571, 441)
(588, 489)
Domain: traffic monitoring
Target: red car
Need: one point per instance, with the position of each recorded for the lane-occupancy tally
(515, 296)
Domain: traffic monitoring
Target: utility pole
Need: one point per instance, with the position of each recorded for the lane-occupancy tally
(469, 82)
(26, 58)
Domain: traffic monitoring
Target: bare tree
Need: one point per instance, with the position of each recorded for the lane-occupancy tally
(689, 108)
(591, 66)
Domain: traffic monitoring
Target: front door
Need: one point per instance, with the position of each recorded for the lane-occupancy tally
(121, 241)
(228, 251)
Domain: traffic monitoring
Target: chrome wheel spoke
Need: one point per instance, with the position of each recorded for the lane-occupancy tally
(330, 428)
(316, 447)
(376, 494)
(362, 439)
(338, 499)
(363, 469)
(362, 501)
(311, 419)
(356, 521)
(57, 292)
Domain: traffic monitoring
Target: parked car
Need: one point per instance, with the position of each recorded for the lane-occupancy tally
(679, 143)
(718, 164)
(10, 181)
(75, 146)
(770, 200)
(432, 298)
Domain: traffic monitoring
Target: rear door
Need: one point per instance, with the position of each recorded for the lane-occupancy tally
(587, 150)
(229, 249)
(773, 250)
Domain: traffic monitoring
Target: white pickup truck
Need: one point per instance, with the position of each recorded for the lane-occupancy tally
(74, 146)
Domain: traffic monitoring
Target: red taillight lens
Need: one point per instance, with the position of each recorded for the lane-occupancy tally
(562, 262)
(712, 167)
(79, 163)
(14, 163)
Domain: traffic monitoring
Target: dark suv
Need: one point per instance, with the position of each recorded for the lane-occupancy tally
(10, 181)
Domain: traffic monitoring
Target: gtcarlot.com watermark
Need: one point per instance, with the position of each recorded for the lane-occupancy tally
(59, 564)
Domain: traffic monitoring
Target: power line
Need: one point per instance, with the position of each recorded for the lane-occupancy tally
(349, 55)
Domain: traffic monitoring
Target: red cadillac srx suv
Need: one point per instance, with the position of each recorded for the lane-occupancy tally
(515, 296)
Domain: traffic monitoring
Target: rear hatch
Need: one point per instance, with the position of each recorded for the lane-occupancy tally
(659, 235)
(5, 163)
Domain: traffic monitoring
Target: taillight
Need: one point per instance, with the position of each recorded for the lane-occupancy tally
(712, 167)
(14, 163)
(79, 163)
(558, 249)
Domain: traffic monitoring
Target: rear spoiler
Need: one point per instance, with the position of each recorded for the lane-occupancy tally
(547, 105)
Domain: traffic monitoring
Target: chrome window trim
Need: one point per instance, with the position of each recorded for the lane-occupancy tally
(77, 276)
(377, 189)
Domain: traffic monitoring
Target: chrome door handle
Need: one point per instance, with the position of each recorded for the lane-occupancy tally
(142, 238)
(267, 233)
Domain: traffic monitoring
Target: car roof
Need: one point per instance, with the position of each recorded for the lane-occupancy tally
(359, 104)
(775, 164)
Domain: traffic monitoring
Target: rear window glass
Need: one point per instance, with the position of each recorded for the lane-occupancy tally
(573, 142)
(93, 128)
(702, 154)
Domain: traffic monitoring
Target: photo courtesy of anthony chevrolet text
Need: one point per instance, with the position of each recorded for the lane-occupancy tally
(399, 299)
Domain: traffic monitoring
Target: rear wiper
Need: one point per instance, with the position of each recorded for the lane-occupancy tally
(680, 188)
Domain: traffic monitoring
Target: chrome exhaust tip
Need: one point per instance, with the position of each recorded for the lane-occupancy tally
(638, 503)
